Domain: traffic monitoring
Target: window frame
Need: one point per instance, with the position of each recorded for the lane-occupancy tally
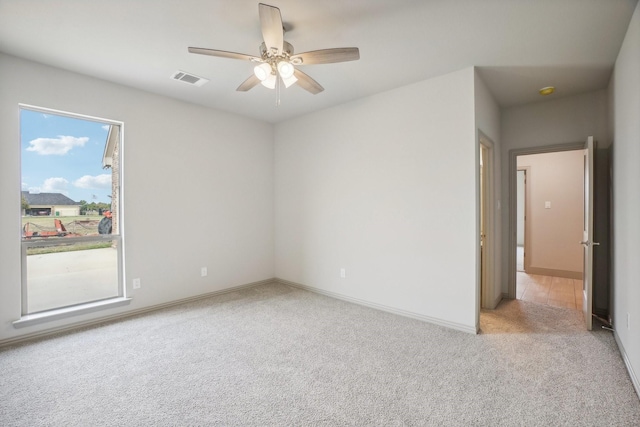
(118, 238)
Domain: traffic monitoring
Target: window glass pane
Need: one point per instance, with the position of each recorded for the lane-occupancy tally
(70, 209)
(61, 276)
(66, 168)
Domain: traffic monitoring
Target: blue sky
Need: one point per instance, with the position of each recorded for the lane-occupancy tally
(64, 155)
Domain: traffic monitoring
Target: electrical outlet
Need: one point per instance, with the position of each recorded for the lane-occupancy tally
(136, 283)
(343, 273)
(203, 271)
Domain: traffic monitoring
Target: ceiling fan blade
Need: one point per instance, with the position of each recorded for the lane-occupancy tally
(327, 56)
(271, 24)
(223, 54)
(249, 83)
(307, 83)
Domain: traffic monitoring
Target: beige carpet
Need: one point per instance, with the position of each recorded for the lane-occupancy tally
(279, 356)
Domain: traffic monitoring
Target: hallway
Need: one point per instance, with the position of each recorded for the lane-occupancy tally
(548, 290)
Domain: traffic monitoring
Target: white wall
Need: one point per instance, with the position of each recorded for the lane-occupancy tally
(557, 121)
(219, 165)
(557, 178)
(384, 187)
(487, 114)
(625, 93)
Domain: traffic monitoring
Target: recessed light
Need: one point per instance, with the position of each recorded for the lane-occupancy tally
(547, 90)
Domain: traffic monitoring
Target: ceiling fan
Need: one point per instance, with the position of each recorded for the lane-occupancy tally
(277, 62)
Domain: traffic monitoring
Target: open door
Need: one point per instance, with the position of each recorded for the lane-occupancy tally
(483, 225)
(487, 289)
(587, 234)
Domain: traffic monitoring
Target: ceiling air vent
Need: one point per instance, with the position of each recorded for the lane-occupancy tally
(189, 78)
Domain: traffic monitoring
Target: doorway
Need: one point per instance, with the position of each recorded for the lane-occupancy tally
(593, 285)
(549, 267)
(543, 251)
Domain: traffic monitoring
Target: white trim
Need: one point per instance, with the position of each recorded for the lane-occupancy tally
(627, 362)
(497, 299)
(63, 313)
(69, 114)
(120, 316)
(488, 257)
(381, 307)
(526, 262)
(29, 319)
(553, 272)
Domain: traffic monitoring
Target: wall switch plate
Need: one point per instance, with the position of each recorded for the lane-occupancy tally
(343, 273)
(136, 283)
(547, 205)
(203, 271)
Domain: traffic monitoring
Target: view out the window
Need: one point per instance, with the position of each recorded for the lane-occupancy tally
(71, 246)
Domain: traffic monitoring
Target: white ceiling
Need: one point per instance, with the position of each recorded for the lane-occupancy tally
(518, 45)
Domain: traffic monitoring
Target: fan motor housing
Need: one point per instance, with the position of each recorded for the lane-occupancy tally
(287, 51)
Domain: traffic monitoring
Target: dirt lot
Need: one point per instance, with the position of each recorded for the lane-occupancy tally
(74, 225)
(82, 225)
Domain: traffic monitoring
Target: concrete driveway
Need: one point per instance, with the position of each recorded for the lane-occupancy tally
(68, 278)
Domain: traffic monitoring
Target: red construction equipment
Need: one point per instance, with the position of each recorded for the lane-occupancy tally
(61, 231)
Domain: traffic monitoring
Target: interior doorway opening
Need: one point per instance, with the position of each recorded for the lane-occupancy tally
(550, 209)
(594, 240)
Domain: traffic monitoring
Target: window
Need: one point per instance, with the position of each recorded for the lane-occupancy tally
(71, 213)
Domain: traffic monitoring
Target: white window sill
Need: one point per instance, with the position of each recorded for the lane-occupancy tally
(63, 313)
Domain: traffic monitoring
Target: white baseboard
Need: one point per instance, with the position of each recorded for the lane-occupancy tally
(555, 273)
(381, 307)
(120, 316)
(627, 362)
(497, 300)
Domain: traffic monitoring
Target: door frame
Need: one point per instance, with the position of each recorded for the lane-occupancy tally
(588, 237)
(527, 213)
(486, 286)
(513, 188)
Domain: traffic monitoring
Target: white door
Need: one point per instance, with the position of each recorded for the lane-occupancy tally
(587, 235)
(487, 290)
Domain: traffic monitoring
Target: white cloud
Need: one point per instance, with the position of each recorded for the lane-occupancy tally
(93, 182)
(56, 146)
(106, 127)
(24, 186)
(54, 185)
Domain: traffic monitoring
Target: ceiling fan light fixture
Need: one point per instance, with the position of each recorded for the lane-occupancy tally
(262, 71)
(289, 81)
(270, 81)
(276, 63)
(285, 69)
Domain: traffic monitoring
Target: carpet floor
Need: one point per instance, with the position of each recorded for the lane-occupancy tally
(273, 355)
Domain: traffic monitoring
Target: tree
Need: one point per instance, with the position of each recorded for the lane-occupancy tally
(25, 204)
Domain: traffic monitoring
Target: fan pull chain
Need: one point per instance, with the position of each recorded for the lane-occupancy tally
(278, 90)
